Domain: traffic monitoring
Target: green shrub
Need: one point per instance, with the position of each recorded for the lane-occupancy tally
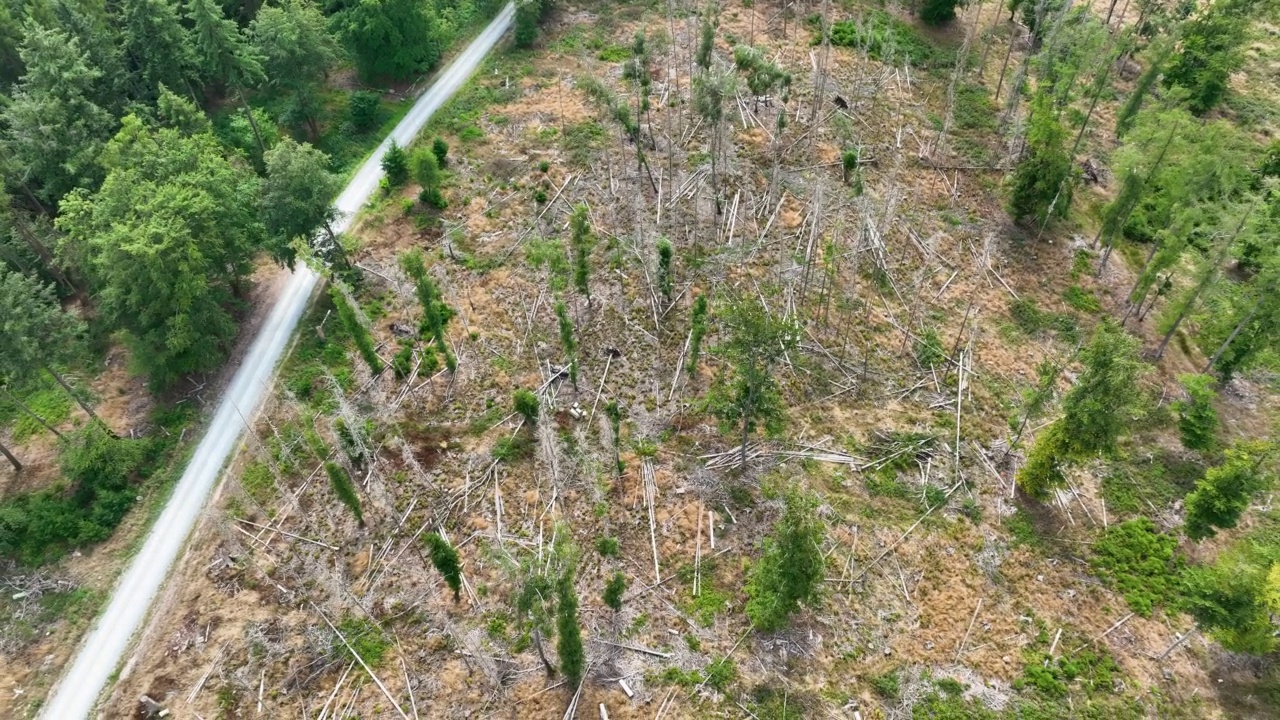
(929, 350)
(440, 149)
(1223, 494)
(402, 362)
(516, 447)
(1139, 562)
(790, 571)
(100, 472)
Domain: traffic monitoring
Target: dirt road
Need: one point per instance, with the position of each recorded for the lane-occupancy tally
(77, 693)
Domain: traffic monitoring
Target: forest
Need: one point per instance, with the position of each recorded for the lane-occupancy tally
(742, 358)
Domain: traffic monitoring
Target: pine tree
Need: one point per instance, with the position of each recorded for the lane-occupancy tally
(1098, 408)
(1041, 184)
(1048, 458)
(698, 329)
(569, 645)
(1197, 419)
(614, 413)
(445, 559)
(613, 590)
(1223, 494)
(665, 283)
(567, 342)
(745, 395)
(395, 163)
(354, 324)
(938, 12)
(344, 489)
(580, 240)
(435, 313)
(790, 571)
(440, 149)
(526, 404)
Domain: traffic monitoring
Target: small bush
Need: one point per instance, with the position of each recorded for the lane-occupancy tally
(607, 546)
(888, 39)
(929, 350)
(402, 363)
(511, 449)
(440, 149)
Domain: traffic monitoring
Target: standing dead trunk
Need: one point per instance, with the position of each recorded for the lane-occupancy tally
(253, 122)
(32, 413)
(542, 655)
(83, 405)
(17, 466)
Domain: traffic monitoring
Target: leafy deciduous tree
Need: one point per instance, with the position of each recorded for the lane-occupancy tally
(297, 197)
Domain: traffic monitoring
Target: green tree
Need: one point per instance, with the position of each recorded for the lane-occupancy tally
(1035, 400)
(425, 169)
(1099, 407)
(1041, 186)
(1223, 494)
(1211, 48)
(297, 51)
(528, 14)
(435, 313)
(614, 413)
(157, 48)
(389, 38)
(665, 283)
(569, 645)
(296, 204)
(745, 394)
(526, 404)
(938, 12)
(1197, 419)
(763, 76)
(355, 325)
(440, 149)
(445, 559)
(1254, 323)
(790, 571)
(697, 330)
(225, 57)
(613, 589)
(1048, 458)
(1230, 599)
(395, 163)
(167, 243)
(706, 42)
(52, 128)
(580, 240)
(36, 334)
(567, 341)
(342, 486)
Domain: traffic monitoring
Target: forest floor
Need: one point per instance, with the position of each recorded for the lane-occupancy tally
(983, 596)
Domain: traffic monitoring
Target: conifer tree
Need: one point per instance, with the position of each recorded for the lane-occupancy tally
(698, 329)
(665, 283)
(340, 481)
(395, 163)
(1197, 419)
(580, 240)
(567, 342)
(445, 559)
(790, 571)
(1223, 494)
(1041, 184)
(569, 643)
(351, 320)
(613, 590)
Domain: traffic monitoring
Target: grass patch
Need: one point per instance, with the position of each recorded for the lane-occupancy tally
(493, 84)
(582, 142)
(259, 483)
(706, 606)
(45, 398)
(1148, 483)
(1032, 321)
(365, 637)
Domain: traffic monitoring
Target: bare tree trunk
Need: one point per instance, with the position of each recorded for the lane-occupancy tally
(17, 466)
(32, 413)
(542, 655)
(253, 123)
(1005, 67)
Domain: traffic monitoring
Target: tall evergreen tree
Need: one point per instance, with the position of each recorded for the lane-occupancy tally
(389, 38)
(1041, 184)
(790, 571)
(167, 243)
(53, 129)
(296, 204)
(297, 51)
(158, 49)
